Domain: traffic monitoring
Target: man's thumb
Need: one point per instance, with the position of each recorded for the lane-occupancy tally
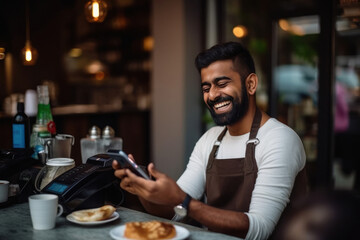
(152, 171)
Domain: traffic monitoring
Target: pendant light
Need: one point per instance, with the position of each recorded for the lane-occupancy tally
(28, 53)
(96, 10)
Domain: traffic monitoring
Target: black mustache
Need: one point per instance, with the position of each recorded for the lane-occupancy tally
(211, 103)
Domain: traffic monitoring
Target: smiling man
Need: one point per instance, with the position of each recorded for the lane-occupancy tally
(248, 167)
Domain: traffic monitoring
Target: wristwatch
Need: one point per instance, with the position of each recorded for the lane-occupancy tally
(181, 210)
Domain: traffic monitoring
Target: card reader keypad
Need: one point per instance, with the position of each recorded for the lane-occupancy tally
(75, 174)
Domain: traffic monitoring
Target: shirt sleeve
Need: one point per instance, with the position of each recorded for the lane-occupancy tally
(282, 157)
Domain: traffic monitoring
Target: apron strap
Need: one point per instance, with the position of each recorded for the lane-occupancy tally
(251, 143)
(255, 124)
(215, 149)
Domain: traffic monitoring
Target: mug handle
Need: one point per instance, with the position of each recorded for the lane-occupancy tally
(60, 210)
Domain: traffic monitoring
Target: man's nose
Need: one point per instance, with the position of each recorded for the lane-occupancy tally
(214, 94)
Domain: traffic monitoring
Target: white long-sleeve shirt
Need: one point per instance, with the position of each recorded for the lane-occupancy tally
(280, 156)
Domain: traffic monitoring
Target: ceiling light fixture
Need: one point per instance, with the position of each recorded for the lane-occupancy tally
(96, 10)
(29, 54)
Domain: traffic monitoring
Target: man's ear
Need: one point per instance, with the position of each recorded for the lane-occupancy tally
(251, 83)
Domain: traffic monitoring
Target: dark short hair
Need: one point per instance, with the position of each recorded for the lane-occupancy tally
(241, 57)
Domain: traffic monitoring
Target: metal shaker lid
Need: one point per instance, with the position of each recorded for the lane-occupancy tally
(108, 132)
(94, 132)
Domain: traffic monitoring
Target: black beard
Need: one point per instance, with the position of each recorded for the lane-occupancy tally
(238, 111)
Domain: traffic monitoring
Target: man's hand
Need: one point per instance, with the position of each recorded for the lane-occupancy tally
(163, 190)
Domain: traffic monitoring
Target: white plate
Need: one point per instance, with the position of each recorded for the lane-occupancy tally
(118, 233)
(113, 217)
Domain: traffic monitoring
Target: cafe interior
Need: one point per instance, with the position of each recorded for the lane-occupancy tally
(131, 69)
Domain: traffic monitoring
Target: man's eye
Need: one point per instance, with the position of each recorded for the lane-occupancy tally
(222, 84)
(205, 89)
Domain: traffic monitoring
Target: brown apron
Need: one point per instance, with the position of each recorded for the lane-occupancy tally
(230, 182)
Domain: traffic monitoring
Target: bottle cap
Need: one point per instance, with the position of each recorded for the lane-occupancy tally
(94, 132)
(108, 132)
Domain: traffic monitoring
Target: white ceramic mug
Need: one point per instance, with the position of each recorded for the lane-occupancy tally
(44, 209)
(4, 190)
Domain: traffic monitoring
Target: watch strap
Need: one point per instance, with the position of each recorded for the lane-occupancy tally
(184, 204)
(186, 201)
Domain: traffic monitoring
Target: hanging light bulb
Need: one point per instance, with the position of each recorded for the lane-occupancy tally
(96, 10)
(29, 54)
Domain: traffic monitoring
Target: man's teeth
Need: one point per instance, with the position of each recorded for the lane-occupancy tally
(222, 104)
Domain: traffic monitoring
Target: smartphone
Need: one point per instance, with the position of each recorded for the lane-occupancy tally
(125, 162)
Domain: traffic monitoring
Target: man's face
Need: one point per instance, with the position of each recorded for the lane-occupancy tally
(223, 92)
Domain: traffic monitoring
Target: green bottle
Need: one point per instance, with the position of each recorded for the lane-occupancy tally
(44, 127)
(44, 116)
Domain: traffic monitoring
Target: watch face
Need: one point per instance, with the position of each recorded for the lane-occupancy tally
(180, 210)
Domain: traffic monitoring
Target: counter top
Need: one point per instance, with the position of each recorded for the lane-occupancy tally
(15, 223)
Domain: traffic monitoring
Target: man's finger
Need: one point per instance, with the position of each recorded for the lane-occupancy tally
(153, 172)
(120, 173)
(140, 183)
(127, 187)
(115, 164)
(135, 178)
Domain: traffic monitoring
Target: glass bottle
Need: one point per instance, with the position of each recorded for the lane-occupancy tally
(20, 128)
(44, 127)
(44, 116)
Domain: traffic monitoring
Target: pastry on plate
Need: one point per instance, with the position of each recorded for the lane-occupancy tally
(150, 230)
(94, 214)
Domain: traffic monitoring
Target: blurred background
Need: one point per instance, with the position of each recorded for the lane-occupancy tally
(134, 70)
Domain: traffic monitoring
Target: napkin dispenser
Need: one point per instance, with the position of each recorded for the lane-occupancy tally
(88, 185)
